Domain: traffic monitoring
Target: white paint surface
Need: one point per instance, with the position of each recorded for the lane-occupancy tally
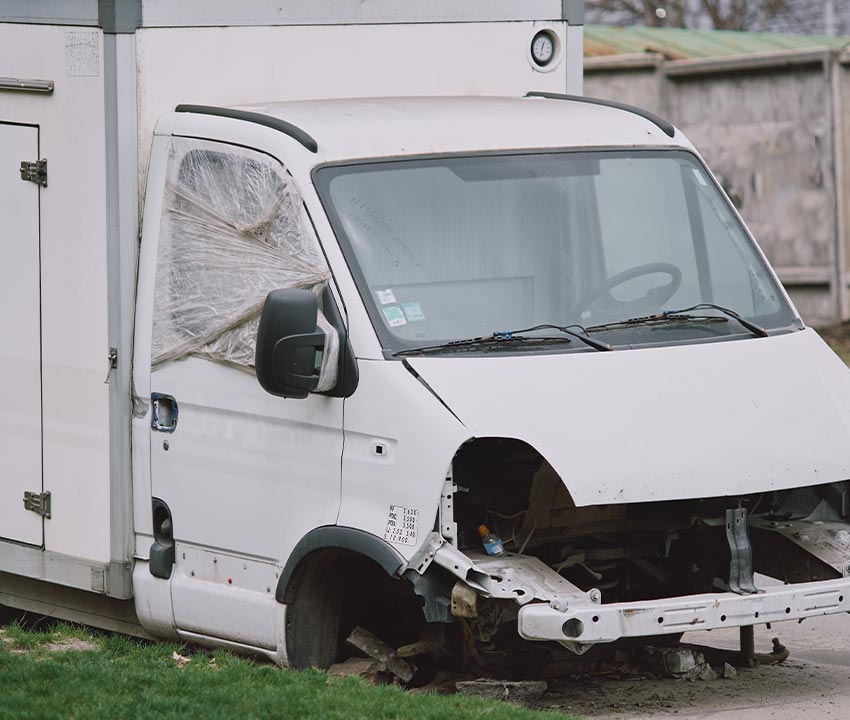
(241, 65)
(395, 126)
(690, 421)
(20, 350)
(73, 285)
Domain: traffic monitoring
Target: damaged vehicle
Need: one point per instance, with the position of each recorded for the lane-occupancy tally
(493, 378)
(624, 394)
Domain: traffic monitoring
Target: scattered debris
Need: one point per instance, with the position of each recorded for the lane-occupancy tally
(431, 647)
(517, 691)
(444, 683)
(681, 662)
(374, 671)
(181, 660)
(671, 661)
(779, 652)
(484, 676)
(376, 648)
(703, 672)
(464, 601)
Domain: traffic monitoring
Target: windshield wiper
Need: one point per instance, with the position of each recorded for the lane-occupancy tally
(756, 330)
(682, 315)
(508, 336)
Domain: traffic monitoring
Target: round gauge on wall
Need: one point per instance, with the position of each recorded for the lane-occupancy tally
(543, 48)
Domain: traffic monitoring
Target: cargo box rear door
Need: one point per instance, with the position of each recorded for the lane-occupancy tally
(20, 346)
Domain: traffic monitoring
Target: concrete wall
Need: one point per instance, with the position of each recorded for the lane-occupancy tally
(772, 129)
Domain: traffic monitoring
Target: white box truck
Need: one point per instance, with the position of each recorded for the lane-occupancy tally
(398, 331)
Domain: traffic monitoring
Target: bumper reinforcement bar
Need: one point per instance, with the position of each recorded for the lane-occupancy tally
(588, 623)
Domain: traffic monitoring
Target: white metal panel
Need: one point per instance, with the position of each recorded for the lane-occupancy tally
(20, 351)
(232, 65)
(245, 471)
(73, 273)
(223, 595)
(356, 128)
(77, 12)
(374, 127)
(168, 13)
(574, 60)
(688, 421)
(419, 437)
(122, 243)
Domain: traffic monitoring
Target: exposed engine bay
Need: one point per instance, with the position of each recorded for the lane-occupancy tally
(565, 580)
(647, 550)
(572, 557)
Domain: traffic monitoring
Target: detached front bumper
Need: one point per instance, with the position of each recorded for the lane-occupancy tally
(589, 623)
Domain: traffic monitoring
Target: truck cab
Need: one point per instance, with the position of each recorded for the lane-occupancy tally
(367, 327)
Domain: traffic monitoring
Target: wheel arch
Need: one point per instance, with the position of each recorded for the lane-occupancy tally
(340, 538)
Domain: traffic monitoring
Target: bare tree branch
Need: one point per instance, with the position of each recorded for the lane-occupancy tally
(759, 15)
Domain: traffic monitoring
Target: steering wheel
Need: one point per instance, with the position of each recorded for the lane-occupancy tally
(657, 296)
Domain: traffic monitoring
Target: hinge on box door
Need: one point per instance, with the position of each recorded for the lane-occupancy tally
(38, 503)
(35, 171)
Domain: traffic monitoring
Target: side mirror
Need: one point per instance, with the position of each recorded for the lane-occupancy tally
(287, 342)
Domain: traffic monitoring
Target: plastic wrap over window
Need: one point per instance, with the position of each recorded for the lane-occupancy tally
(233, 229)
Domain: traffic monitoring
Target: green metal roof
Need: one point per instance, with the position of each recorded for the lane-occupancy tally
(682, 44)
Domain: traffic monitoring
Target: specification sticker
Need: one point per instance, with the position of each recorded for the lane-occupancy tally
(402, 525)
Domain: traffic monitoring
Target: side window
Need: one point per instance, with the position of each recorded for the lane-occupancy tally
(233, 229)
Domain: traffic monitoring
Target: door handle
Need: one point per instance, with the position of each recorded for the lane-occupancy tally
(164, 416)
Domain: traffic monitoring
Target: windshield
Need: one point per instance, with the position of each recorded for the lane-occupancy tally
(451, 248)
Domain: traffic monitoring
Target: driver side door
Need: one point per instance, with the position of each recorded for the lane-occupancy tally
(243, 475)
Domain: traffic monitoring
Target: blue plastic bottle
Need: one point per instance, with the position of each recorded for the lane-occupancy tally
(492, 543)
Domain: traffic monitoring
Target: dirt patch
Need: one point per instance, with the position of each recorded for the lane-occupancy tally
(67, 644)
(75, 644)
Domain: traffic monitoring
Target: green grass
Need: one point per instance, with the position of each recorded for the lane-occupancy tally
(125, 679)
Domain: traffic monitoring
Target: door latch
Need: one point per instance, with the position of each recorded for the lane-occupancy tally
(164, 415)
